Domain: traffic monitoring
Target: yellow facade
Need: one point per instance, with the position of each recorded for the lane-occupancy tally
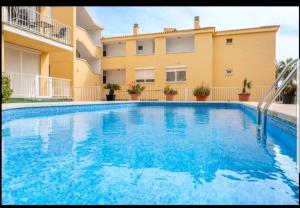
(251, 56)
(79, 59)
(56, 58)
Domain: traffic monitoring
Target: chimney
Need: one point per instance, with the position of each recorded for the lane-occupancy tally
(136, 29)
(196, 22)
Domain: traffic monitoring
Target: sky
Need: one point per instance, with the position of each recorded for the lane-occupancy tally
(119, 21)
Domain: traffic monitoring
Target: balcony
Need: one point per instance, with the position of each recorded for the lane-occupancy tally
(179, 44)
(26, 19)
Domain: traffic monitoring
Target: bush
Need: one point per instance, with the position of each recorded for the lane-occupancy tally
(135, 89)
(6, 90)
(112, 87)
(202, 91)
(169, 91)
(290, 89)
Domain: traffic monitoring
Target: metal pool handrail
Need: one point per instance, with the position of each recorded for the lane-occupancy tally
(278, 91)
(266, 95)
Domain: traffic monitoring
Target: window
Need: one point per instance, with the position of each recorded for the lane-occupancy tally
(229, 41)
(176, 75)
(145, 75)
(228, 72)
(140, 48)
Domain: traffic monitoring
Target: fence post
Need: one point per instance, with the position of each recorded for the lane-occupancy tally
(37, 88)
(186, 93)
(50, 87)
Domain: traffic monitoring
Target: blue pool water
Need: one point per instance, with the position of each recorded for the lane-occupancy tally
(146, 154)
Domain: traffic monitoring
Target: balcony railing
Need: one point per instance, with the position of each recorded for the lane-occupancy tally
(36, 86)
(30, 20)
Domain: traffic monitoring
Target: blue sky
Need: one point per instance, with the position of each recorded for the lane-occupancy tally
(119, 21)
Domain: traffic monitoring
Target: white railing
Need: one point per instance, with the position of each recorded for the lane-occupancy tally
(87, 93)
(36, 86)
(186, 94)
(30, 20)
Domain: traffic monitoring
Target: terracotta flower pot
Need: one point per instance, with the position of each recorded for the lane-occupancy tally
(244, 96)
(135, 96)
(169, 97)
(201, 98)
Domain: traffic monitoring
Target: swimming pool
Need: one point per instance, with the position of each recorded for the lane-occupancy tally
(146, 153)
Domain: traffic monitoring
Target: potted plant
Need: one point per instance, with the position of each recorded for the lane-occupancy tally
(244, 96)
(201, 93)
(135, 91)
(170, 93)
(111, 87)
(289, 93)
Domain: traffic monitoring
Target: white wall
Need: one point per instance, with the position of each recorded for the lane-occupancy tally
(115, 49)
(173, 44)
(95, 36)
(148, 46)
(96, 65)
(115, 76)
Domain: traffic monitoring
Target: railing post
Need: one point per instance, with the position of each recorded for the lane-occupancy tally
(50, 89)
(37, 86)
(186, 94)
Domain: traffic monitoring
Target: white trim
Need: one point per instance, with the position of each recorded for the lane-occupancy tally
(17, 47)
(36, 37)
(144, 68)
(175, 67)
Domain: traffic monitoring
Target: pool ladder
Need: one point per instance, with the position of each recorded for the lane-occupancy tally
(261, 122)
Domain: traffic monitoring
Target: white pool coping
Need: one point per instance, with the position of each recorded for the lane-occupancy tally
(284, 111)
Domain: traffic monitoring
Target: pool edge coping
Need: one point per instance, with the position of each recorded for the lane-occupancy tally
(272, 112)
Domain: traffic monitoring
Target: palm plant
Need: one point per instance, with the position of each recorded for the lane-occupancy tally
(291, 86)
(246, 85)
(112, 87)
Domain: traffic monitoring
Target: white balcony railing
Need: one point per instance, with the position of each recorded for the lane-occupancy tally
(36, 86)
(30, 20)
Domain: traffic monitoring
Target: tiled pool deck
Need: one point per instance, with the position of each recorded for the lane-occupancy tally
(283, 111)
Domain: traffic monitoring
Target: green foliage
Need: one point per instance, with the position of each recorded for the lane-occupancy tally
(290, 89)
(135, 88)
(202, 91)
(246, 85)
(280, 65)
(6, 90)
(112, 87)
(169, 91)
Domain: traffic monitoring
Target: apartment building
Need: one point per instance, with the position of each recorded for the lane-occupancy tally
(50, 52)
(186, 58)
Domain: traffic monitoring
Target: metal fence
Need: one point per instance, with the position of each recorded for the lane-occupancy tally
(36, 86)
(30, 20)
(87, 93)
(186, 94)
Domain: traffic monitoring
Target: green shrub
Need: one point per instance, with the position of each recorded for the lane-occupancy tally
(169, 91)
(290, 89)
(6, 90)
(246, 85)
(202, 91)
(112, 87)
(135, 88)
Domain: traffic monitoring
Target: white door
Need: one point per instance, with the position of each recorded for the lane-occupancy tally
(23, 65)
